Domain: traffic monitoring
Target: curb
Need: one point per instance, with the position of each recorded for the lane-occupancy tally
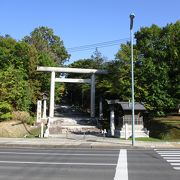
(80, 144)
(85, 146)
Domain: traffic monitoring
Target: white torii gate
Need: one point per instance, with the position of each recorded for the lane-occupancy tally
(91, 81)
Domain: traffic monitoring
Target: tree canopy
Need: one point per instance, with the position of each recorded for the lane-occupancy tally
(46, 42)
(20, 83)
(157, 70)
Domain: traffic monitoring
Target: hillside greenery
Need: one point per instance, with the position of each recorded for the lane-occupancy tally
(20, 84)
(157, 71)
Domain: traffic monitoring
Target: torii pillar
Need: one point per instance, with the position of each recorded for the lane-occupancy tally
(52, 90)
(71, 70)
(92, 95)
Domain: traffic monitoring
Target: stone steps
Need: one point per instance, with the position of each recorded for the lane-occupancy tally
(72, 121)
(139, 131)
(72, 129)
(62, 125)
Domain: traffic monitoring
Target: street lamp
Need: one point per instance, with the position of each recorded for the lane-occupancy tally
(132, 16)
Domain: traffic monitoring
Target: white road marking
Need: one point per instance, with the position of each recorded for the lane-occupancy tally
(57, 154)
(175, 164)
(122, 167)
(57, 163)
(168, 152)
(173, 160)
(172, 156)
(157, 150)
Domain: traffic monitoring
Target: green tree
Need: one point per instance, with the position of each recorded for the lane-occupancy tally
(160, 47)
(14, 89)
(45, 41)
(117, 83)
(20, 83)
(157, 77)
(80, 93)
(24, 58)
(97, 59)
(7, 45)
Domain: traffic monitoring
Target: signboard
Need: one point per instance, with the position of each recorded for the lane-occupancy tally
(39, 105)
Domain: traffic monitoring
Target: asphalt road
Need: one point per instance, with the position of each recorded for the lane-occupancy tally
(88, 164)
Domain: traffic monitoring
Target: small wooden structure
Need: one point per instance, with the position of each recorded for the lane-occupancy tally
(127, 112)
(121, 121)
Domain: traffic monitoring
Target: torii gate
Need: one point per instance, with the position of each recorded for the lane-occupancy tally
(91, 81)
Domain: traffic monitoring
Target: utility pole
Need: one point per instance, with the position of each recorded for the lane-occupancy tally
(132, 16)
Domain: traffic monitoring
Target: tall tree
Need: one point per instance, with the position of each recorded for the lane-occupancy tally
(161, 50)
(80, 93)
(45, 41)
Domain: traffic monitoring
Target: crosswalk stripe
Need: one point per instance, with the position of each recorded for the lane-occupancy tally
(173, 160)
(175, 164)
(172, 149)
(168, 151)
(171, 156)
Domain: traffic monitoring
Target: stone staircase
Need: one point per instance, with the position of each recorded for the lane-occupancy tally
(126, 132)
(70, 120)
(62, 125)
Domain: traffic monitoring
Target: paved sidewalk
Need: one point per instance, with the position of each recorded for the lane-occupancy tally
(81, 141)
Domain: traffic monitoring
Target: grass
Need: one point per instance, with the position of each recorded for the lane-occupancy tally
(34, 133)
(13, 129)
(147, 139)
(165, 128)
(18, 129)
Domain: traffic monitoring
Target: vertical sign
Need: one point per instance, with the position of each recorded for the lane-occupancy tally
(112, 127)
(44, 109)
(39, 104)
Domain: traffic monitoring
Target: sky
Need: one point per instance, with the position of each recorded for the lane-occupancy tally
(85, 22)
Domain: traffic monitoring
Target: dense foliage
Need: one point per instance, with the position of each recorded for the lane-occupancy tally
(20, 84)
(79, 94)
(157, 71)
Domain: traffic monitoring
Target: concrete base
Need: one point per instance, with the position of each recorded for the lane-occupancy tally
(126, 132)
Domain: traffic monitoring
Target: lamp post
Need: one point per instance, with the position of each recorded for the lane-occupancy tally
(132, 16)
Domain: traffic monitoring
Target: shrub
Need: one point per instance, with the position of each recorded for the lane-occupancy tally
(22, 116)
(5, 111)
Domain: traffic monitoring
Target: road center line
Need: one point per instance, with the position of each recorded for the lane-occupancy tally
(122, 167)
(57, 163)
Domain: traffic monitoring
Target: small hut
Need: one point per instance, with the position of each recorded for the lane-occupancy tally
(121, 126)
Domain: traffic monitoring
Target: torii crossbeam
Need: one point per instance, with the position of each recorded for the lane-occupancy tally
(91, 81)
